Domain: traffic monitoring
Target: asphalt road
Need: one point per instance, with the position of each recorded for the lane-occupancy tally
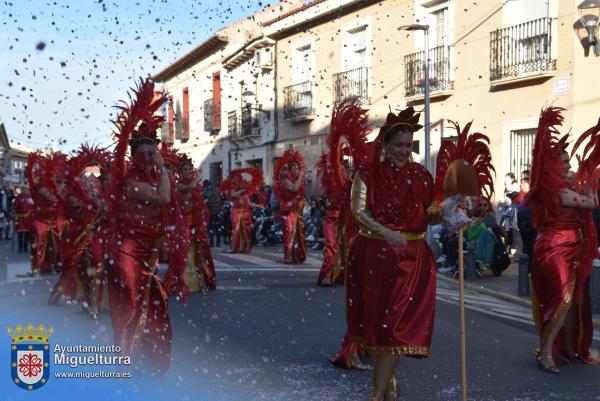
(267, 332)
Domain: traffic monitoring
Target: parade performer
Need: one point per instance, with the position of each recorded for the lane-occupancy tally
(566, 243)
(142, 212)
(23, 207)
(82, 211)
(238, 188)
(197, 217)
(44, 175)
(289, 178)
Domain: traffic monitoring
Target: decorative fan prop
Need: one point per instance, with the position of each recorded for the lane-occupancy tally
(463, 169)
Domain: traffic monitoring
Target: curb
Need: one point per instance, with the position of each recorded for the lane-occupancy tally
(499, 294)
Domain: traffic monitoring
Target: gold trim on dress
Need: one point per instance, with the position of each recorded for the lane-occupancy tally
(394, 350)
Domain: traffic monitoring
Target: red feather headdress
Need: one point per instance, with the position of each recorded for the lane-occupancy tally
(86, 156)
(348, 121)
(288, 158)
(183, 160)
(248, 179)
(169, 155)
(547, 167)
(464, 167)
(588, 172)
(129, 125)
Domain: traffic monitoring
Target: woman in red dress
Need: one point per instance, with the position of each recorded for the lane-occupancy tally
(143, 214)
(238, 188)
(391, 271)
(44, 174)
(23, 207)
(289, 178)
(197, 216)
(562, 260)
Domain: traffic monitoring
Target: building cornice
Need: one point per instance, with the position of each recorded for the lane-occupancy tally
(202, 51)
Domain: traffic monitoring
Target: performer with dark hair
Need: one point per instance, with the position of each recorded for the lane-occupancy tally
(23, 205)
(566, 243)
(144, 212)
(289, 178)
(197, 217)
(238, 188)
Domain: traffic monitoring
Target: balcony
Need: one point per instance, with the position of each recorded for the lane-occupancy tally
(245, 127)
(439, 73)
(212, 117)
(298, 102)
(351, 84)
(521, 52)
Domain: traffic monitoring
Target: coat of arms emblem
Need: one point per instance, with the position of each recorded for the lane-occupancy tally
(30, 355)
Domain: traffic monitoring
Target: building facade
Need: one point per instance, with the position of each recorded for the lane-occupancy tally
(496, 63)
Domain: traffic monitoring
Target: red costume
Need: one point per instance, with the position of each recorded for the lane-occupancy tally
(47, 218)
(238, 188)
(196, 215)
(391, 291)
(82, 213)
(566, 243)
(23, 207)
(291, 204)
(138, 297)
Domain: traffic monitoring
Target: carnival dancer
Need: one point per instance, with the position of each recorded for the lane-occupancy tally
(143, 211)
(566, 243)
(289, 177)
(347, 137)
(82, 211)
(23, 207)
(44, 174)
(238, 188)
(391, 271)
(197, 217)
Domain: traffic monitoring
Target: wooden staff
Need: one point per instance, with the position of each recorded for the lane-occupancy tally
(461, 297)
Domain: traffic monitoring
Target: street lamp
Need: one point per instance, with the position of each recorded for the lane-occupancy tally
(587, 29)
(425, 29)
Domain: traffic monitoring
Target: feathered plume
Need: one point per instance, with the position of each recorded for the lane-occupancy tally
(132, 114)
(588, 172)
(248, 179)
(464, 167)
(349, 122)
(547, 167)
(169, 155)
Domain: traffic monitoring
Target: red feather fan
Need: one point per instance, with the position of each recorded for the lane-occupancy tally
(588, 172)
(547, 167)
(349, 122)
(248, 179)
(474, 151)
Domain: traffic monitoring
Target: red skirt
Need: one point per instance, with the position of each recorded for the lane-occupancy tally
(555, 275)
(390, 301)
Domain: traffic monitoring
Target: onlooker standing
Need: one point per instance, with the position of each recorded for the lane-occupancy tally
(23, 204)
(214, 202)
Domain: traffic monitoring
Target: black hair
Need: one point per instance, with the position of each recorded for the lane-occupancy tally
(396, 129)
(140, 141)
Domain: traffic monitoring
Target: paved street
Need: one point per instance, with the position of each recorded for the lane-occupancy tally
(267, 332)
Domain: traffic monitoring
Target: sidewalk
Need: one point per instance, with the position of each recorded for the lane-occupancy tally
(503, 287)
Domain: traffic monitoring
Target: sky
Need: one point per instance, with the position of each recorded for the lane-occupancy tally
(65, 64)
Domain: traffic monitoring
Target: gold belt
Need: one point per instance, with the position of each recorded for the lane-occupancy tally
(410, 236)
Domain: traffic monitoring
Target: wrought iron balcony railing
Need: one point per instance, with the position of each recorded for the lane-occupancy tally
(521, 50)
(250, 121)
(212, 117)
(233, 125)
(439, 72)
(298, 100)
(351, 84)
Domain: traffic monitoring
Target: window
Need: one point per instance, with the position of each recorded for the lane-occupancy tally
(440, 18)
(302, 64)
(170, 119)
(355, 48)
(186, 113)
(521, 143)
